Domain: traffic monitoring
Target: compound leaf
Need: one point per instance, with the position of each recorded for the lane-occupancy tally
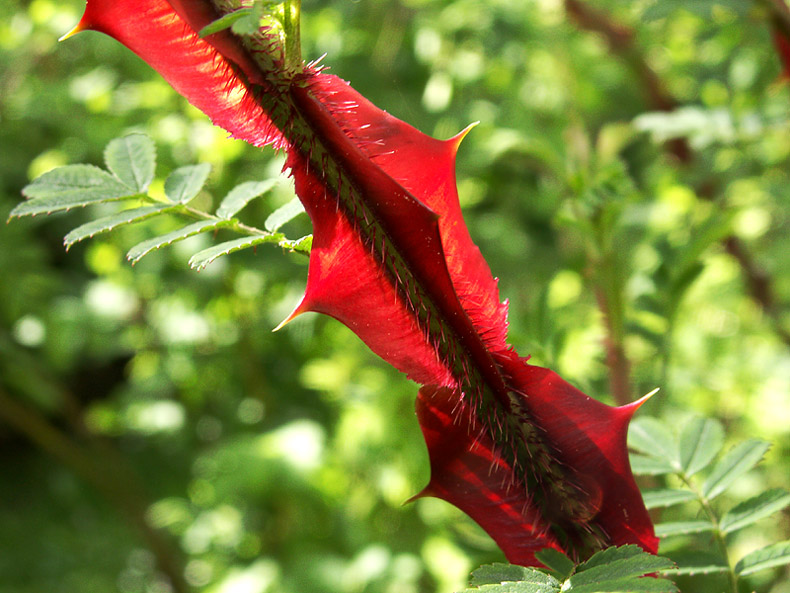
(203, 258)
(108, 223)
(137, 252)
(69, 187)
(185, 183)
(754, 509)
(777, 554)
(683, 528)
(132, 159)
(700, 442)
(733, 465)
(241, 195)
(651, 437)
(503, 578)
(283, 214)
(666, 497)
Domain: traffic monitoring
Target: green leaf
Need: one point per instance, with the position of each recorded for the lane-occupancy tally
(696, 570)
(700, 442)
(283, 214)
(651, 437)
(610, 555)
(777, 554)
(137, 252)
(185, 183)
(108, 223)
(302, 245)
(683, 528)
(499, 572)
(642, 465)
(132, 159)
(696, 562)
(754, 509)
(224, 22)
(666, 497)
(250, 23)
(203, 258)
(733, 465)
(509, 578)
(71, 178)
(69, 187)
(560, 565)
(625, 585)
(241, 195)
(620, 569)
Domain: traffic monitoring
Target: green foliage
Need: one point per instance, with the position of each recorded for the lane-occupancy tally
(698, 444)
(131, 164)
(614, 570)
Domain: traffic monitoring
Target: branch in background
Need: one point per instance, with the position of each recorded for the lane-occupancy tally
(102, 471)
(621, 40)
(758, 284)
(616, 360)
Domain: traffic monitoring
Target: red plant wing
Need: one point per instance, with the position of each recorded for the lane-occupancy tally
(468, 472)
(208, 79)
(467, 468)
(346, 281)
(533, 460)
(425, 167)
(590, 437)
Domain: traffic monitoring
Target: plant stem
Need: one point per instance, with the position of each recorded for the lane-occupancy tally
(293, 43)
(718, 536)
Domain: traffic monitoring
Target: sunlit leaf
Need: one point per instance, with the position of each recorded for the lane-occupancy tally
(683, 528)
(774, 555)
(651, 437)
(203, 258)
(241, 195)
(490, 577)
(141, 249)
(666, 497)
(70, 187)
(696, 570)
(700, 442)
(642, 465)
(560, 565)
(225, 21)
(620, 569)
(108, 223)
(301, 245)
(733, 465)
(283, 214)
(185, 183)
(132, 159)
(754, 509)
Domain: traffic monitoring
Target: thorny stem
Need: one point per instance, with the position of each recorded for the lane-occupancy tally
(622, 41)
(721, 543)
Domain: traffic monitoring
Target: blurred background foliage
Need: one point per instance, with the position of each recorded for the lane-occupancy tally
(629, 182)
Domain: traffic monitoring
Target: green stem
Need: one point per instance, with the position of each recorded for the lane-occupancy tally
(293, 42)
(718, 536)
